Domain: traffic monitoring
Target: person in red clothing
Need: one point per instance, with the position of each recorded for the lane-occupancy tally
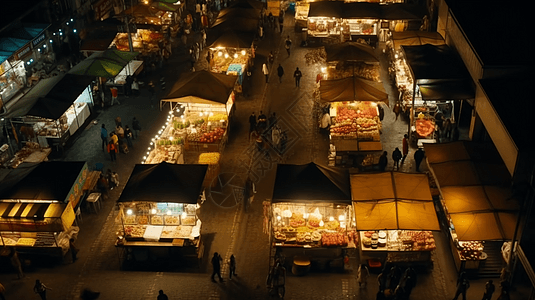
(114, 94)
(112, 150)
(405, 147)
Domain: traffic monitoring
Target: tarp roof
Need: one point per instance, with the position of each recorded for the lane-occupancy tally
(164, 182)
(48, 181)
(393, 200)
(429, 62)
(366, 10)
(403, 11)
(416, 38)
(311, 182)
(100, 34)
(484, 226)
(202, 87)
(231, 39)
(352, 89)
(351, 51)
(448, 90)
(16, 38)
(239, 24)
(248, 13)
(107, 63)
(479, 198)
(53, 103)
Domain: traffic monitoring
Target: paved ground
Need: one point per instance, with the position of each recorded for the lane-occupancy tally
(225, 230)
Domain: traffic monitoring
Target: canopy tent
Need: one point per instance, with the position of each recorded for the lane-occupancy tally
(53, 102)
(351, 51)
(99, 35)
(35, 217)
(447, 90)
(202, 87)
(367, 10)
(13, 40)
(311, 182)
(403, 11)
(393, 201)
(475, 188)
(248, 4)
(104, 64)
(352, 89)
(162, 5)
(416, 38)
(165, 182)
(231, 39)
(239, 24)
(42, 182)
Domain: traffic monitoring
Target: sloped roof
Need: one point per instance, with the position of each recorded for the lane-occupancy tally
(203, 84)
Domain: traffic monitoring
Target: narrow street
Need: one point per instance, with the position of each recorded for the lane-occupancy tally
(227, 230)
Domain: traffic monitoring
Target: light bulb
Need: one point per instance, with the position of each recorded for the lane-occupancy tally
(129, 212)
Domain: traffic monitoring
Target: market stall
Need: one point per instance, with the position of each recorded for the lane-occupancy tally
(351, 59)
(432, 80)
(37, 213)
(158, 208)
(31, 153)
(395, 216)
(311, 212)
(202, 103)
(477, 202)
(355, 124)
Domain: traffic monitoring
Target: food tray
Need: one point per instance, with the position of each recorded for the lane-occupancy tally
(188, 220)
(172, 220)
(156, 220)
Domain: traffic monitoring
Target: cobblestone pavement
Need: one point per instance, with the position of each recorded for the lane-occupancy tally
(228, 230)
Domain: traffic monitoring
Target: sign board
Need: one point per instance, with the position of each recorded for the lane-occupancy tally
(38, 39)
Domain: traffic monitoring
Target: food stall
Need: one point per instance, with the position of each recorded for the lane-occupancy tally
(311, 212)
(355, 124)
(395, 217)
(202, 104)
(432, 80)
(37, 212)
(477, 203)
(133, 68)
(158, 208)
(231, 53)
(32, 152)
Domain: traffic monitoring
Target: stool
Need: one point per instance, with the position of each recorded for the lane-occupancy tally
(301, 265)
(93, 200)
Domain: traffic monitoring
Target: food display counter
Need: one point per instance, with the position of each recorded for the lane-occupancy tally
(133, 68)
(30, 153)
(353, 124)
(397, 246)
(144, 41)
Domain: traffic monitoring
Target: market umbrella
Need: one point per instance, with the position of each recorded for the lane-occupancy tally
(104, 64)
(352, 89)
(165, 6)
(202, 87)
(351, 51)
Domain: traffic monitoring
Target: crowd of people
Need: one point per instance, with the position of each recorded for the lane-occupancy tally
(265, 131)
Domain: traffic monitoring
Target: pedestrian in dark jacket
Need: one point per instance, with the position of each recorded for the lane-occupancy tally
(418, 157)
(280, 72)
(162, 296)
(281, 21)
(489, 290)
(104, 136)
(232, 266)
(405, 144)
(288, 44)
(462, 287)
(252, 123)
(136, 127)
(383, 161)
(128, 136)
(396, 156)
(216, 265)
(112, 150)
(40, 288)
(297, 76)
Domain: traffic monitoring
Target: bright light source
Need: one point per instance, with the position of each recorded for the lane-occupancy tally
(341, 217)
(129, 212)
(168, 212)
(153, 211)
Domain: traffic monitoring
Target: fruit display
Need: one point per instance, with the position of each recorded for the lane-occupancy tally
(209, 158)
(399, 240)
(334, 239)
(470, 250)
(358, 120)
(425, 127)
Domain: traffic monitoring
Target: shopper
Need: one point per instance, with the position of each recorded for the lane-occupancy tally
(397, 110)
(135, 87)
(383, 161)
(405, 144)
(115, 178)
(252, 122)
(271, 58)
(114, 139)
(40, 288)
(162, 296)
(418, 157)
(232, 266)
(462, 287)
(396, 157)
(128, 136)
(114, 94)
(216, 266)
(262, 122)
(73, 249)
(275, 136)
(362, 275)
(136, 127)
(489, 289)
(281, 21)
(118, 122)
(265, 71)
(112, 150)
(288, 44)
(104, 136)
(297, 76)
(280, 72)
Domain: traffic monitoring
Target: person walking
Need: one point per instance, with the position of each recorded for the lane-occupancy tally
(275, 137)
(397, 110)
(73, 249)
(288, 44)
(232, 266)
(252, 123)
(383, 161)
(418, 157)
(297, 76)
(162, 296)
(462, 287)
(280, 72)
(281, 21)
(118, 122)
(396, 157)
(405, 147)
(104, 136)
(265, 71)
(216, 266)
(112, 150)
(135, 87)
(136, 127)
(362, 275)
(128, 136)
(271, 58)
(40, 288)
(489, 290)
(114, 94)
(15, 262)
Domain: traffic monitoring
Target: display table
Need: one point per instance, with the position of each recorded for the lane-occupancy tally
(397, 248)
